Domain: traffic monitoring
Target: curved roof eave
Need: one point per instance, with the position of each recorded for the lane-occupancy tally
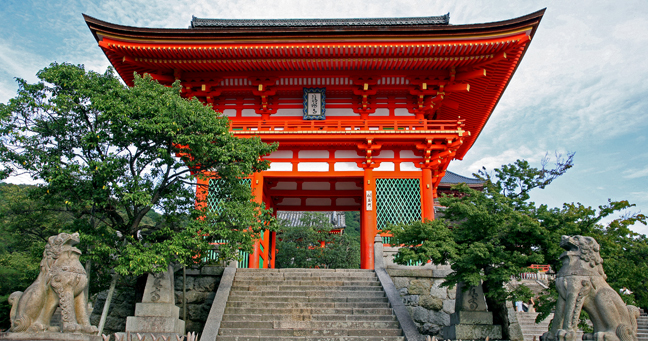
(311, 31)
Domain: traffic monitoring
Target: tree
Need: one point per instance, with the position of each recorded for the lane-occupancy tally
(300, 246)
(25, 225)
(109, 154)
(497, 233)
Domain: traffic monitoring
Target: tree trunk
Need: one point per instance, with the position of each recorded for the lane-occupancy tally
(500, 314)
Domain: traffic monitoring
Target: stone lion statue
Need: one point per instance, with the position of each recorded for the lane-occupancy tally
(581, 284)
(61, 281)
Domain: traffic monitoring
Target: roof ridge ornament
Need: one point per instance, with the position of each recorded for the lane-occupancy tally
(402, 21)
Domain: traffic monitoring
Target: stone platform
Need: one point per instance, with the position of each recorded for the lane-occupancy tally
(49, 337)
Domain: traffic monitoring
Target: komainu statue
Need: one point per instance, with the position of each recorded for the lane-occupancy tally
(581, 285)
(61, 281)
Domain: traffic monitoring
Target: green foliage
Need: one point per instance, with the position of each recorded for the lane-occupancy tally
(300, 246)
(352, 219)
(423, 241)
(109, 155)
(497, 233)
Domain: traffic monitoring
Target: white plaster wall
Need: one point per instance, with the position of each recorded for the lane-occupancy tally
(346, 186)
(346, 166)
(318, 202)
(408, 167)
(289, 113)
(407, 154)
(287, 186)
(402, 112)
(280, 167)
(313, 167)
(281, 154)
(385, 154)
(313, 154)
(249, 113)
(347, 154)
(290, 202)
(229, 112)
(346, 202)
(386, 166)
(316, 186)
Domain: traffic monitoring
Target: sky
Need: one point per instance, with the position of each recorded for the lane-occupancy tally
(580, 87)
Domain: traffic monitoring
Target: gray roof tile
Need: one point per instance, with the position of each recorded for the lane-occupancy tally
(451, 178)
(337, 218)
(205, 22)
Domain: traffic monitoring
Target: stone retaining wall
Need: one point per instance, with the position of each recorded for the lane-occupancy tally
(429, 304)
(201, 289)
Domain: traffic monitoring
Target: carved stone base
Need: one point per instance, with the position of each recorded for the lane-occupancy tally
(49, 337)
(473, 332)
(147, 336)
(472, 325)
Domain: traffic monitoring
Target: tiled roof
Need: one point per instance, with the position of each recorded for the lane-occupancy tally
(337, 218)
(454, 178)
(204, 22)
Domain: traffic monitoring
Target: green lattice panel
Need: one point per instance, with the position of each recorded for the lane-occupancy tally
(214, 187)
(245, 260)
(212, 202)
(397, 201)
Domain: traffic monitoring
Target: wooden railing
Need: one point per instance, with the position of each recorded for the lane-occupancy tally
(540, 267)
(347, 125)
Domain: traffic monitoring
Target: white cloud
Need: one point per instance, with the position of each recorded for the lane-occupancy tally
(635, 173)
(580, 86)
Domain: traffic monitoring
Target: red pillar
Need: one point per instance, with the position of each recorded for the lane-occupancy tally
(257, 191)
(368, 221)
(202, 191)
(427, 195)
(273, 249)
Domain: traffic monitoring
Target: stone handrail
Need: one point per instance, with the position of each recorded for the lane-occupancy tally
(407, 324)
(215, 317)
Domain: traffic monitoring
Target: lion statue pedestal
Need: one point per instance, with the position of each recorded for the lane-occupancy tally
(61, 282)
(581, 284)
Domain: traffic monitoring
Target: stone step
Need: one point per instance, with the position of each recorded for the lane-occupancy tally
(543, 325)
(304, 278)
(249, 288)
(249, 304)
(368, 274)
(288, 299)
(270, 272)
(310, 311)
(315, 293)
(308, 304)
(315, 325)
(309, 317)
(246, 270)
(310, 338)
(307, 332)
(340, 283)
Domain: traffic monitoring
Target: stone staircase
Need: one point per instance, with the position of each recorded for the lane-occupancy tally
(308, 304)
(642, 327)
(530, 329)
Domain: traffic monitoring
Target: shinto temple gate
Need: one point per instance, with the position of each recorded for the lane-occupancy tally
(368, 113)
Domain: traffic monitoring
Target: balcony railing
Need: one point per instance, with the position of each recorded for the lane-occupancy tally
(349, 125)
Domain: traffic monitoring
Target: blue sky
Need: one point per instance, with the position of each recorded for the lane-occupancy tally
(580, 88)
